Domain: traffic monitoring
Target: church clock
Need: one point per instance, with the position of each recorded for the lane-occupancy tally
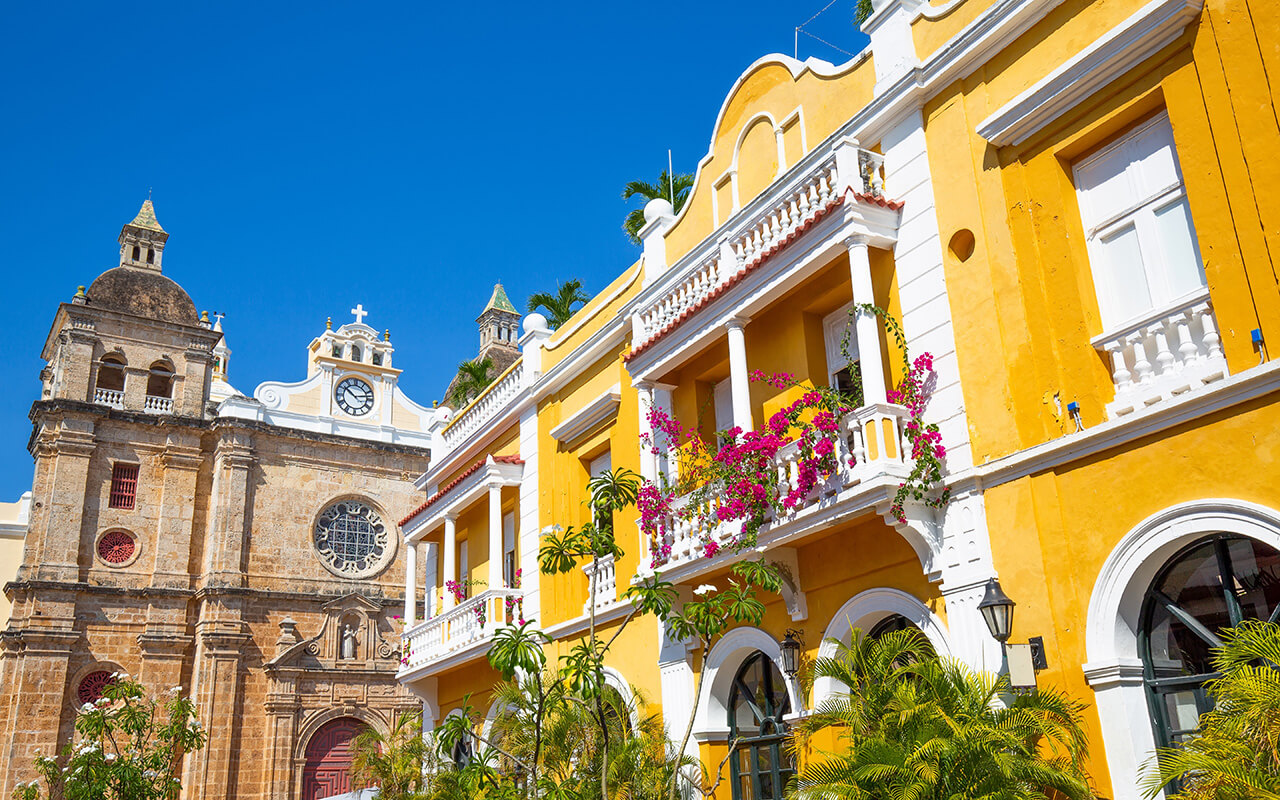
(354, 396)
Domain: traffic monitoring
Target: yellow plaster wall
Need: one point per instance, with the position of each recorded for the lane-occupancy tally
(10, 560)
(1024, 305)
(826, 103)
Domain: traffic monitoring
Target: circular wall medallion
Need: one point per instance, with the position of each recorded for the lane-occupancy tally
(92, 685)
(351, 539)
(117, 548)
(354, 396)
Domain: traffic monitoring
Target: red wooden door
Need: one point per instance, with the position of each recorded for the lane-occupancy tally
(328, 769)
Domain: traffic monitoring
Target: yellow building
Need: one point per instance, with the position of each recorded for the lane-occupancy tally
(13, 532)
(1064, 205)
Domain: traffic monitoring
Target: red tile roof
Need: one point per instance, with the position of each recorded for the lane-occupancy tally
(760, 258)
(453, 484)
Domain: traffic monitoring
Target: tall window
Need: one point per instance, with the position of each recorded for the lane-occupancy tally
(1142, 244)
(1211, 585)
(124, 486)
(760, 765)
(843, 367)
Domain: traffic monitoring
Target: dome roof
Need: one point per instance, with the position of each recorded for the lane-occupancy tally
(143, 293)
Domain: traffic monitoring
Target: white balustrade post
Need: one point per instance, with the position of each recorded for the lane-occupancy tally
(867, 326)
(648, 459)
(450, 557)
(410, 583)
(495, 536)
(739, 381)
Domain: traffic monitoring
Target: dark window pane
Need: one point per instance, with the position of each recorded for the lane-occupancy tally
(1256, 569)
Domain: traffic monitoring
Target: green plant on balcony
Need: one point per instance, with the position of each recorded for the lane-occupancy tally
(559, 307)
(674, 189)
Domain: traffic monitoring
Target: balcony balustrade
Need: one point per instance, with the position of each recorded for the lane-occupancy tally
(870, 446)
(755, 233)
(471, 622)
(108, 397)
(157, 405)
(602, 578)
(494, 398)
(1170, 351)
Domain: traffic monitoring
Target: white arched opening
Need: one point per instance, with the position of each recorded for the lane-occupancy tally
(1114, 667)
(613, 677)
(863, 611)
(711, 721)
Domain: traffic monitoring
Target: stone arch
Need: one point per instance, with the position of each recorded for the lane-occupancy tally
(1114, 668)
(864, 610)
(160, 377)
(326, 756)
(319, 719)
(711, 719)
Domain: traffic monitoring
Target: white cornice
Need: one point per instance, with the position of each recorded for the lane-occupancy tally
(1113, 54)
(579, 624)
(1254, 383)
(578, 424)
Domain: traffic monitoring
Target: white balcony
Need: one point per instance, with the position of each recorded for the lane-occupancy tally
(602, 584)
(485, 407)
(462, 631)
(157, 405)
(870, 463)
(1166, 353)
(835, 191)
(108, 397)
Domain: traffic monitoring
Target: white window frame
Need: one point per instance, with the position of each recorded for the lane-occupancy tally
(834, 326)
(1140, 215)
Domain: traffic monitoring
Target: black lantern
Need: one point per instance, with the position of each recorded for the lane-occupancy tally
(790, 654)
(997, 610)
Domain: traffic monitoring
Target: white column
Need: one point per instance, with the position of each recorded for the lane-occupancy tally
(410, 583)
(450, 557)
(867, 327)
(495, 536)
(648, 460)
(739, 382)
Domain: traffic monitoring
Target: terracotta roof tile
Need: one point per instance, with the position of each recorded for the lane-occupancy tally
(453, 484)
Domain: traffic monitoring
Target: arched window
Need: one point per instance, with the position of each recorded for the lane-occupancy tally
(160, 380)
(1210, 585)
(355, 353)
(137, 253)
(760, 765)
(111, 373)
(151, 255)
(328, 766)
(893, 622)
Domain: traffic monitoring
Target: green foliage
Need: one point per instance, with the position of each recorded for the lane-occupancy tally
(563, 549)
(473, 378)
(559, 307)
(918, 727)
(864, 11)
(124, 749)
(392, 762)
(544, 728)
(681, 182)
(518, 648)
(1236, 754)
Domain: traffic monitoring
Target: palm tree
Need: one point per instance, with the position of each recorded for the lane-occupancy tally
(1235, 754)
(391, 762)
(559, 306)
(918, 726)
(674, 190)
(473, 377)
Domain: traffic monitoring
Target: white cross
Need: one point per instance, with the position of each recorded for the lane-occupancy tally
(360, 313)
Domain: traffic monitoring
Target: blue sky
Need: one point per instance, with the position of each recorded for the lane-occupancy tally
(308, 157)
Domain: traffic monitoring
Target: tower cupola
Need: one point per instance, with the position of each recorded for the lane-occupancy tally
(499, 322)
(142, 240)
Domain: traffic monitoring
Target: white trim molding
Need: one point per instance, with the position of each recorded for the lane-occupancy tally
(1114, 667)
(585, 420)
(711, 722)
(863, 611)
(1113, 54)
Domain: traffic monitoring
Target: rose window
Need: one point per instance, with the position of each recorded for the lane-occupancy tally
(92, 686)
(352, 540)
(116, 547)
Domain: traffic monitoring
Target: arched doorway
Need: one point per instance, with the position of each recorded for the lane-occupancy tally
(1213, 584)
(328, 768)
(760, 766)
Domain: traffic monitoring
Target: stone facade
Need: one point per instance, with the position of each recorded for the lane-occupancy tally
(219, 586)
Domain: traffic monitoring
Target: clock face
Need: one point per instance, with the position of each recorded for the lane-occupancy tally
(354, 396)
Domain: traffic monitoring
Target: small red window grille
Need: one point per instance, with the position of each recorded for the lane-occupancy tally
(116, 547)
(124, 485)
(92, 685)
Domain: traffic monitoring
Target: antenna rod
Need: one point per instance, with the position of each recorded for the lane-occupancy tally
(795, 52)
